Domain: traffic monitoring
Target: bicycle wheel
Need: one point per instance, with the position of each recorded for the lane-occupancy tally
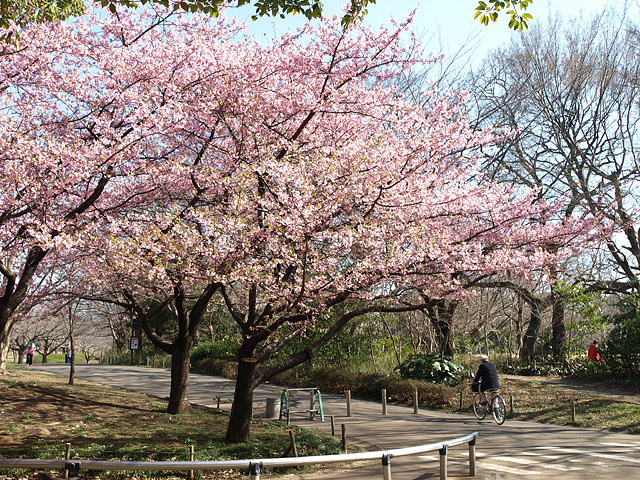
(499, 410)
(479, 410)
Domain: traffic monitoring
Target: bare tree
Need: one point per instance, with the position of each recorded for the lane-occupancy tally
(570, 91)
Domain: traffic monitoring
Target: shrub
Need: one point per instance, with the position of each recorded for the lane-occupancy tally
(212, 366)
(214, 351)
(432, 367)
(369, 385)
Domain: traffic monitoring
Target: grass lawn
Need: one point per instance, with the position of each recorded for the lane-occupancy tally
(540, 402)
(41, 413)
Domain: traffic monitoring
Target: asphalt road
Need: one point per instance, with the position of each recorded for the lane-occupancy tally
(516, 450)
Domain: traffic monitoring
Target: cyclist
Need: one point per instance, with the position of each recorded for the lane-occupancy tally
(486, 378)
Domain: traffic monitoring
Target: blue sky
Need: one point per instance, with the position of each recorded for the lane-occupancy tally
(446, 26)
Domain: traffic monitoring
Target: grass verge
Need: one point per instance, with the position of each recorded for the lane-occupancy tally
(41, 413)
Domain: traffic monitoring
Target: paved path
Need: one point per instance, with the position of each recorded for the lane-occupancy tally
(516, 450)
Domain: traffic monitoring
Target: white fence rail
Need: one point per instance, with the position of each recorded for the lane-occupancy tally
(254, 466)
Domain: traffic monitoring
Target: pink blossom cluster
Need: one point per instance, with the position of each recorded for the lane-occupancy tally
(165, 149)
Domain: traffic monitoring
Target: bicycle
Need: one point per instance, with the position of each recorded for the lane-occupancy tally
(495, 406)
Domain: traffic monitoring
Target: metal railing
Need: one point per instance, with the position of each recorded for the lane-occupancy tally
(254, 466)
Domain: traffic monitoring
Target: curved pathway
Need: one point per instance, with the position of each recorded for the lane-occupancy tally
(516, 450)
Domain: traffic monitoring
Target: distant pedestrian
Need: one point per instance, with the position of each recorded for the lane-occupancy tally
(31, 349)
(67, 356)
(594, 353)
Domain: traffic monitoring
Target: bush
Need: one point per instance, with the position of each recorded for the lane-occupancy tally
(433, 368)
(369, 385)
(214, 351)
(212, 366)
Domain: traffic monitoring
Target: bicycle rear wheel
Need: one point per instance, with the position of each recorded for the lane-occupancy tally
(479, 410)
(499, 410)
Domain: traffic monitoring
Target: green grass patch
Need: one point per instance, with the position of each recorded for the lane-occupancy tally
(41, 413)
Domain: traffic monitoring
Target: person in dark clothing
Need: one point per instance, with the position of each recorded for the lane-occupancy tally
(486, 378)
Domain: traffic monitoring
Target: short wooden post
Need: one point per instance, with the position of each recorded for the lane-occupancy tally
(333, 426)
(67, 456)
(292, 437)
(461, 400)
(344, 438)
(192, 457)
(573, 412)
(511, 405)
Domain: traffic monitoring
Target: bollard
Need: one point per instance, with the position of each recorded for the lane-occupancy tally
(384, 401)
(443, 462)
(348, 393)
(386, 466)
(271, 408)
(415, 401)
(511, 405)
(333, 427)
(67, 456)
(192, 457)
(461, 401)
(344, 438)
(573, 412)
(254, 470)
(472, 457)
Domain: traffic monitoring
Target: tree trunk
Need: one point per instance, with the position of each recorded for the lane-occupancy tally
(531, 335)
(242, 408)
(4, 353)
(558, 339)
(441, 316)
(72, 363)
(180, 360)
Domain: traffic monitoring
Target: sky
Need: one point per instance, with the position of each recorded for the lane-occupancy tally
(446, 26)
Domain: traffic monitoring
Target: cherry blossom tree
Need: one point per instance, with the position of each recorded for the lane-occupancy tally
(179, 161)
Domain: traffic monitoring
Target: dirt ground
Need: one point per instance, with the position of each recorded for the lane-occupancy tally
(613, 389)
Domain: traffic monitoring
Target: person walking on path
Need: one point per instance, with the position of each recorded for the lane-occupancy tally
(486, 378)
(31, 349)
(594, 353)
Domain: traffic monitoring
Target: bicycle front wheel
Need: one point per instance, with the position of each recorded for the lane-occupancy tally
(479, 410)
(499, 410)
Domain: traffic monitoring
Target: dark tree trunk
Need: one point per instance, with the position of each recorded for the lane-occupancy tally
(531, 335)
(180, 361)
(558, 339)
(441, 317)
(72, 363)
(242, 408)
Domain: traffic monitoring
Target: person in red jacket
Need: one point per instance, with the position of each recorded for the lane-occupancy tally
(593, 353)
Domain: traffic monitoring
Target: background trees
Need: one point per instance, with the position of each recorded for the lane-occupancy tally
(571, 93)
